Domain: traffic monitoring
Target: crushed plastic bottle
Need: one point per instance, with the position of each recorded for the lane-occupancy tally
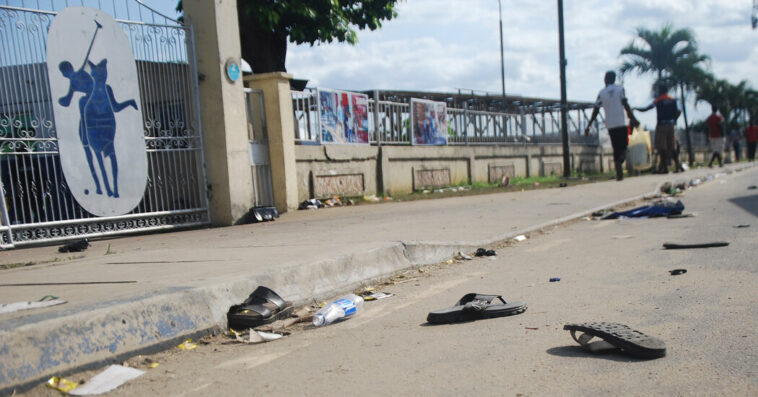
(346, 306)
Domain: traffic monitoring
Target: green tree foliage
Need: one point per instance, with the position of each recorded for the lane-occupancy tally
(672, 55)
(659, 52)
(267, 25)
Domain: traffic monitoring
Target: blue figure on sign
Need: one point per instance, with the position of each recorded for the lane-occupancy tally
(97, 121)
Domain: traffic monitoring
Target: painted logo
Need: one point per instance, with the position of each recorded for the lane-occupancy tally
(98, 118)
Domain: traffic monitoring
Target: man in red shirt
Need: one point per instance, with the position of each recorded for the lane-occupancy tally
(715, 135)
(751, 136)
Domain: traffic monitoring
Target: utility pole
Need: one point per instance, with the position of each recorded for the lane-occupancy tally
(502, 53)
(564, 104)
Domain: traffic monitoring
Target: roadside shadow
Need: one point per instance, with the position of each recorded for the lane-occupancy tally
(577, 351)
(747, 203)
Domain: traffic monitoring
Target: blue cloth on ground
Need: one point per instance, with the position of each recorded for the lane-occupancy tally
(659, 208)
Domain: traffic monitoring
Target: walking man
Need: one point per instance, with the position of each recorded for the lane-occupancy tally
(715, 135)
(667, 112)
(613, 100)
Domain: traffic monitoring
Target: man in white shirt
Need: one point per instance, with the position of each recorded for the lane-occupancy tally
(613, 100)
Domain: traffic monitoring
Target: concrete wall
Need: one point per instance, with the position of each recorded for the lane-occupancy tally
(353, 170)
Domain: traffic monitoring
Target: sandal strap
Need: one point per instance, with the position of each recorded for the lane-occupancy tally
(265, 295)
(479, 297)
(263, 311)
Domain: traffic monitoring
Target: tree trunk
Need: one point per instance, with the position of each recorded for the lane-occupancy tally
(265, 51)
(690, 153)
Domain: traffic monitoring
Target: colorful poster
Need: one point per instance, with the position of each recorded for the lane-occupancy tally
(344, 117)
(428, 122)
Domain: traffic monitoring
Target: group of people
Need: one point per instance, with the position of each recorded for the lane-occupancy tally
(720, 141)
(613, 100)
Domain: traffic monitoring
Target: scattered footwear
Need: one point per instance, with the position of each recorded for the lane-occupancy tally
(630, 341)
(677, 272)
(74, 246)
(263, 306)
(485, 252)
(475, 307)
(673, 246)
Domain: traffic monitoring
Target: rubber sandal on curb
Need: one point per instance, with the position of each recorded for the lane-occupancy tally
(263, 306)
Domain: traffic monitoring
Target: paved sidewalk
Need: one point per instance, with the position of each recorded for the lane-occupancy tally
(181, 283)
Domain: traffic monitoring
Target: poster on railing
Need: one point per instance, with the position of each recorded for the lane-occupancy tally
(428, 122)
(344, 116)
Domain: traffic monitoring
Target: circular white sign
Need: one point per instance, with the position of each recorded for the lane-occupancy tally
(98, 112)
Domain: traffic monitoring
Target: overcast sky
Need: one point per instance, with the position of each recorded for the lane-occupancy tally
(444, 45)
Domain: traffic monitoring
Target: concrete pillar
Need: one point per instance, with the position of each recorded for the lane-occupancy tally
(280, 123)
(222, 109)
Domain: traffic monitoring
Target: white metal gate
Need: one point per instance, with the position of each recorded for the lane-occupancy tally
(37, 205)
(263, 194)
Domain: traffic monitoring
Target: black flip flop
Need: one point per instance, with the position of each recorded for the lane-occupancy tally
(474, 307)
(632, 342)
(677, 272)
(263, 306)
(674, 246)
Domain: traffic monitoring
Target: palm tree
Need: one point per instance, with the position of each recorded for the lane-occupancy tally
(660, 51)
(687, 74)
(673, 57)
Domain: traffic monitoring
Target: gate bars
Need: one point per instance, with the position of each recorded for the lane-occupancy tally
(36, 203)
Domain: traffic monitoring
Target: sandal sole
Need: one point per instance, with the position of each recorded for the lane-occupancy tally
(631, 341)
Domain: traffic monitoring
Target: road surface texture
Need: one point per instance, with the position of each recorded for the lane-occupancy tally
(610, 270)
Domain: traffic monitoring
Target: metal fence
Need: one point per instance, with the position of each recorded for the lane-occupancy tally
(37, 205)
(389, 123)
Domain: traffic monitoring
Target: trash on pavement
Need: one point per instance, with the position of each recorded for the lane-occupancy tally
(371, 198)
(310, 204)
(462, 256)
(75, 246)
(345, 307)
(61, 384)
(531, 328)
(555, 279)
(113, 377)
(372, 296)
(485, 252)
(333, 202)
(752, 187)
(520, 238)
(47, 300)
(622, 237)
(677, 272)
(262, 214)
(657, 209)
(672, 246)
(741, 225)
(187, 345)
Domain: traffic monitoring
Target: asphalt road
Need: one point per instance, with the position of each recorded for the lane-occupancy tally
(613, 270)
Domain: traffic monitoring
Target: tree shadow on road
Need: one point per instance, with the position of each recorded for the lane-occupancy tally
(577, 351)
(747, 203)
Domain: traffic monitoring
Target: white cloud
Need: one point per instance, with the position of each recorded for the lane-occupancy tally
(449, 44)
(443, 45)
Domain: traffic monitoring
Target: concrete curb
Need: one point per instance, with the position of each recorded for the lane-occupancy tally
(84, 338)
